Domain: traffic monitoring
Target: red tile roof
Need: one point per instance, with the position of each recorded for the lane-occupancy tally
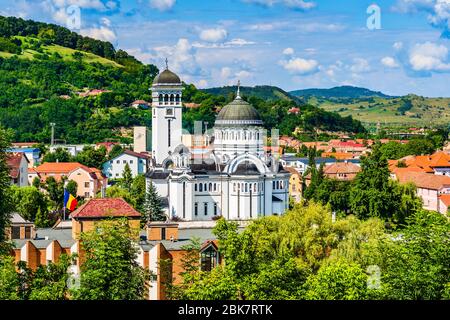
(342, 167)
(445, 198)
(103, 208)
(422, 180)
(139, 155)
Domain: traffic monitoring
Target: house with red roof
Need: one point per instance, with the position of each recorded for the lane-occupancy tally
(17, 163)
(87, 215)
(89, 180)
(432, 189)
(344, 171)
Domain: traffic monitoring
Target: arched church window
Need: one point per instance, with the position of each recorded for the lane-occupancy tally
(205, 186)
(166, 99)
(161, 98)
(273, 184)
(172, 98)
(246, 187)
(254, 187)
(234, 187)
(210, 186)
(177, 98)
(201, 187)
(215, 186)
(195, 187)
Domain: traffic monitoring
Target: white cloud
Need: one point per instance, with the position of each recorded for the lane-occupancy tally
(262, 27)
(295, 4)
(360, 65)
(182, 58)
(389, 62)
(398, 45)
(162, 5)
(213, 35)
(438, 12)
(243, 74)
(238, 42)
(288, 51)
(429, 57)
(100, 33)
(300, 66)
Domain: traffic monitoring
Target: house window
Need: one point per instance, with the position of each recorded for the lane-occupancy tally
(27, 232)
(86, 194)
(163, 233)
(215, 209)
(118, 161)
(15, 233)
(124, 161)
(86, 184)
(209, 259)
(196, 209)
(131, 161)
(205, 206)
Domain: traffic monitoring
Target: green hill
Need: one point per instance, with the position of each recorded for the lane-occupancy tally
(263, 92)
(409, 110)
(339, 92)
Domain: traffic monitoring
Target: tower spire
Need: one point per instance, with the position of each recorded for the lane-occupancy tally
(167, 64)
(238, 95)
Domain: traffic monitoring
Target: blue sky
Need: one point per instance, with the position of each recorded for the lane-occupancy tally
(293, 44)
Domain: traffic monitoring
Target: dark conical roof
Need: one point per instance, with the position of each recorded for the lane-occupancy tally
(238, 112)
(167, 77)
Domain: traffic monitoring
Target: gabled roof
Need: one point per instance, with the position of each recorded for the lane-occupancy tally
(134, 154)
(58, 167)
(342, 168)
(104, 208)
(422, 180)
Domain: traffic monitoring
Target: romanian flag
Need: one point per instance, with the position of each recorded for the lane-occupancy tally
(70, 202)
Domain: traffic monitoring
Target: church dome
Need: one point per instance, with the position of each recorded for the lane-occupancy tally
(167, 77)
(238, 112)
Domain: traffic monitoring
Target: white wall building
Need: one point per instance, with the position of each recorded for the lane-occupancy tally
(137, 162)
(236, 180)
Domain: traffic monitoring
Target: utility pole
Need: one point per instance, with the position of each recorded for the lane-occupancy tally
(52, 142)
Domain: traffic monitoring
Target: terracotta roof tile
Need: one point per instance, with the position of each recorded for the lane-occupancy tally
(421, 179)
(342, 167)
(103, 208)
(445, 198)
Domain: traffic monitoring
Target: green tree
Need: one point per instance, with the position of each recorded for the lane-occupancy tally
(55, 191)
(138, 192)
(59, 155)
(127, 178)
(5, 202)
(50, 282)
(91, 157)
(338, 280)
(152, 210)
(28, 201)
(110, 270)
(116, 150)
(9, 279)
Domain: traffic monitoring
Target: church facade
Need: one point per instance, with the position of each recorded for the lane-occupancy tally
(236, 180)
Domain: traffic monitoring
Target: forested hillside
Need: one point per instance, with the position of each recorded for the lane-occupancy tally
(46, 69)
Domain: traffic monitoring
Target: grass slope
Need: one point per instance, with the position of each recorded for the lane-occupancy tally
(66, 53)
(410, 110)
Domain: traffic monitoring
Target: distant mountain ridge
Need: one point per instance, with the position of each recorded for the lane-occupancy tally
(339, 92)
(262, 91)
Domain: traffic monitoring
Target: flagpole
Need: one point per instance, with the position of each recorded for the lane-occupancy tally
(64, 207)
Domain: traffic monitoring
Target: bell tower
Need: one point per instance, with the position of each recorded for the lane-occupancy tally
(167, 91)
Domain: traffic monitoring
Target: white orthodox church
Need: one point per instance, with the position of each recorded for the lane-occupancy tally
(237, 180)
